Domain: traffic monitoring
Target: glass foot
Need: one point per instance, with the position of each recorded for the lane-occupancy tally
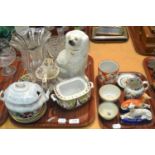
(8, 71)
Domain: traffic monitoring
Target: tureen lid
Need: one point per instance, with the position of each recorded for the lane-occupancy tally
(22, 93)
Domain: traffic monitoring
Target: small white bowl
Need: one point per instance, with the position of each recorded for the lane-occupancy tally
(110, 93)
(108, 110)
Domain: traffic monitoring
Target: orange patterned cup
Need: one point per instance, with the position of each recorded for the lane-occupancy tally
(108, 71)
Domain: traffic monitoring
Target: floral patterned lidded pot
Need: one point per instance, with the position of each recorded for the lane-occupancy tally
(25, 101)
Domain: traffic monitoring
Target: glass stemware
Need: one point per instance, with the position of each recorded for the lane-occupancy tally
(55, 44)
(7, 57)
(30, 42)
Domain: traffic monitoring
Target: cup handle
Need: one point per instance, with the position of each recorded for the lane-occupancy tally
(1, 95)
(146, 85)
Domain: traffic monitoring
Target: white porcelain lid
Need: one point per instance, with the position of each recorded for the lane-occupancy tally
(72, 88)
(22, 93)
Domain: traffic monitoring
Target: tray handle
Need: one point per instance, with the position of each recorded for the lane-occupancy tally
(2, 95)
(91, 85)
(146, 85)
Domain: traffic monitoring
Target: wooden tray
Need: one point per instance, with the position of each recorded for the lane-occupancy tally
(152, 29)
(147, 35)
(148, 71)
(4, 83)
(79, 117)
(108, 124)
(138, 43)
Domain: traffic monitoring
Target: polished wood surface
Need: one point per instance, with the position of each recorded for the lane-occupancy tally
(147, 35)
(123, 53)
(143, 39)
(148, 71)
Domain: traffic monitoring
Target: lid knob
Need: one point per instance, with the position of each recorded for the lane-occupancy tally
(19, 85)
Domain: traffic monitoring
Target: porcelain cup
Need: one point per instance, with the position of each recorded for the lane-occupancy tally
(108, 71)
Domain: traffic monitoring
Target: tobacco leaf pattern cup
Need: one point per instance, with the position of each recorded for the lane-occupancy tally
(108, 71)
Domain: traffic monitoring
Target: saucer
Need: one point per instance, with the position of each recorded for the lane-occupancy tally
(122, 79)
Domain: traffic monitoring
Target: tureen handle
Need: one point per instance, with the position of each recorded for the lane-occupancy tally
(53, 97)
(91, 85)
(1, 95)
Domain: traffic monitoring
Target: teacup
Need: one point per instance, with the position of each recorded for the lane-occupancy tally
(108, 110)
(135, 87)
(108, 71)
(109, 92)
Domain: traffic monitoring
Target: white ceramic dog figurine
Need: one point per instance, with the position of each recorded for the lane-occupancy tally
(73, 59)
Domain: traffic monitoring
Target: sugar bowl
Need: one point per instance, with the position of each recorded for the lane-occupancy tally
(25, 101)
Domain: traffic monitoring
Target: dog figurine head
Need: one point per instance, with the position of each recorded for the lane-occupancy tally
(77, 40)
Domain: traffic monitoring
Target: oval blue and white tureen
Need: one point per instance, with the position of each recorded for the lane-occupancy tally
(25, 101)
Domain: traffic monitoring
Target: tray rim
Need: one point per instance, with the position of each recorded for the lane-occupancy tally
(146, 68)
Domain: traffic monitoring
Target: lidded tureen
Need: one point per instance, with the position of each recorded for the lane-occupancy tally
(25, 101)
